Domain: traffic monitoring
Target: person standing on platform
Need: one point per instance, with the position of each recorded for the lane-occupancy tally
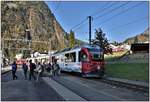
(56, 68)
(49, 68)
(14, 69)
(25, 69)
(39, 70)
(32, 67)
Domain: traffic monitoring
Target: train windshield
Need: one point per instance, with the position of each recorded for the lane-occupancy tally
(97, 55)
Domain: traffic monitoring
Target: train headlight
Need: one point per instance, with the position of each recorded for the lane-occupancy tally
(98, 67)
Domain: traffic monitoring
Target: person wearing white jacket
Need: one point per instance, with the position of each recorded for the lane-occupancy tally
(39, 70)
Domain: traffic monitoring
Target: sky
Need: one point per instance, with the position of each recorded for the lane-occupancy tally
(118, 19)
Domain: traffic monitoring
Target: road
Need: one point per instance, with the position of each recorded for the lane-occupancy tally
(23, 90)
(64, 87)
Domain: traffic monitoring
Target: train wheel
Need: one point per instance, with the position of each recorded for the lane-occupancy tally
(102, 74)
(83, 75)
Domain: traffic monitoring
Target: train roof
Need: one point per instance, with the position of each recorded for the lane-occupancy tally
(78, 48)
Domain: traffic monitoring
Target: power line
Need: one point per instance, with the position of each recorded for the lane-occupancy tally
(106, 13)
(83, 21)
(83, 25)
(135, 21)
(78, 25)
(130, 8)
(58, 5)
(103, 8)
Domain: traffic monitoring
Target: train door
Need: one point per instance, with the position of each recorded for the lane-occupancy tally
(71, 62)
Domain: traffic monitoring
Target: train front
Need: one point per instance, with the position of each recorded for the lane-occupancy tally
(92, 59)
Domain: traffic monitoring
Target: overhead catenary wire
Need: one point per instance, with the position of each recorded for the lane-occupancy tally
(83, 25)
(82, 22)
(79, 24)
(57, 7)
(74, 28)
(108, 12)
(131, 22)
(102, 9)
(113, 16)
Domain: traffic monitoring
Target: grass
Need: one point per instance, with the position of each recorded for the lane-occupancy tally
(114, 56)
(132, 66)
(131, 71)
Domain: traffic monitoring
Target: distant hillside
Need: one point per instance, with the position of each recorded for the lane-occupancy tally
(79, 42)
(143, 37)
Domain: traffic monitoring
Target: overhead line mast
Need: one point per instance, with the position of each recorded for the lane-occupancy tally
(90, 20)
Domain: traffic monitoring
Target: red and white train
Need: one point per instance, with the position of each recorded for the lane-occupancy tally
(86, 59)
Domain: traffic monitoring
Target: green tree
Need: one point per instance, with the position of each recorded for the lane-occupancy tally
(101, 41)
(66, 36)
(71, 39)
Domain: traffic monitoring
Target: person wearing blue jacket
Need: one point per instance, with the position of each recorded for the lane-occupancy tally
(14, 69)
(25, 69)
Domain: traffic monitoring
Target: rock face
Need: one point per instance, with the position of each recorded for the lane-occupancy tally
(141, 38)
(19, 16)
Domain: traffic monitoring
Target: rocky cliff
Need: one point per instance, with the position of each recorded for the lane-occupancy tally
(20, 17)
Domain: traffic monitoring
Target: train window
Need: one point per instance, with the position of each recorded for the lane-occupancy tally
(97, 56)
(71, 57)
(79, 54)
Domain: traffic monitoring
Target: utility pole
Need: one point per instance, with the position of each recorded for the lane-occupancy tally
(90, 19)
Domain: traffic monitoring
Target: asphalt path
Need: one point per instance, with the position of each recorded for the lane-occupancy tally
(52, 89)
(25, 90)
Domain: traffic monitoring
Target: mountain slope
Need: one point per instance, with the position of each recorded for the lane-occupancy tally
(35, 16)
(143, 37)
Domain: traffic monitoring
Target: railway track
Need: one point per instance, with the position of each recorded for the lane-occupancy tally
(130, 86)
(121, 84)
(85, 99)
